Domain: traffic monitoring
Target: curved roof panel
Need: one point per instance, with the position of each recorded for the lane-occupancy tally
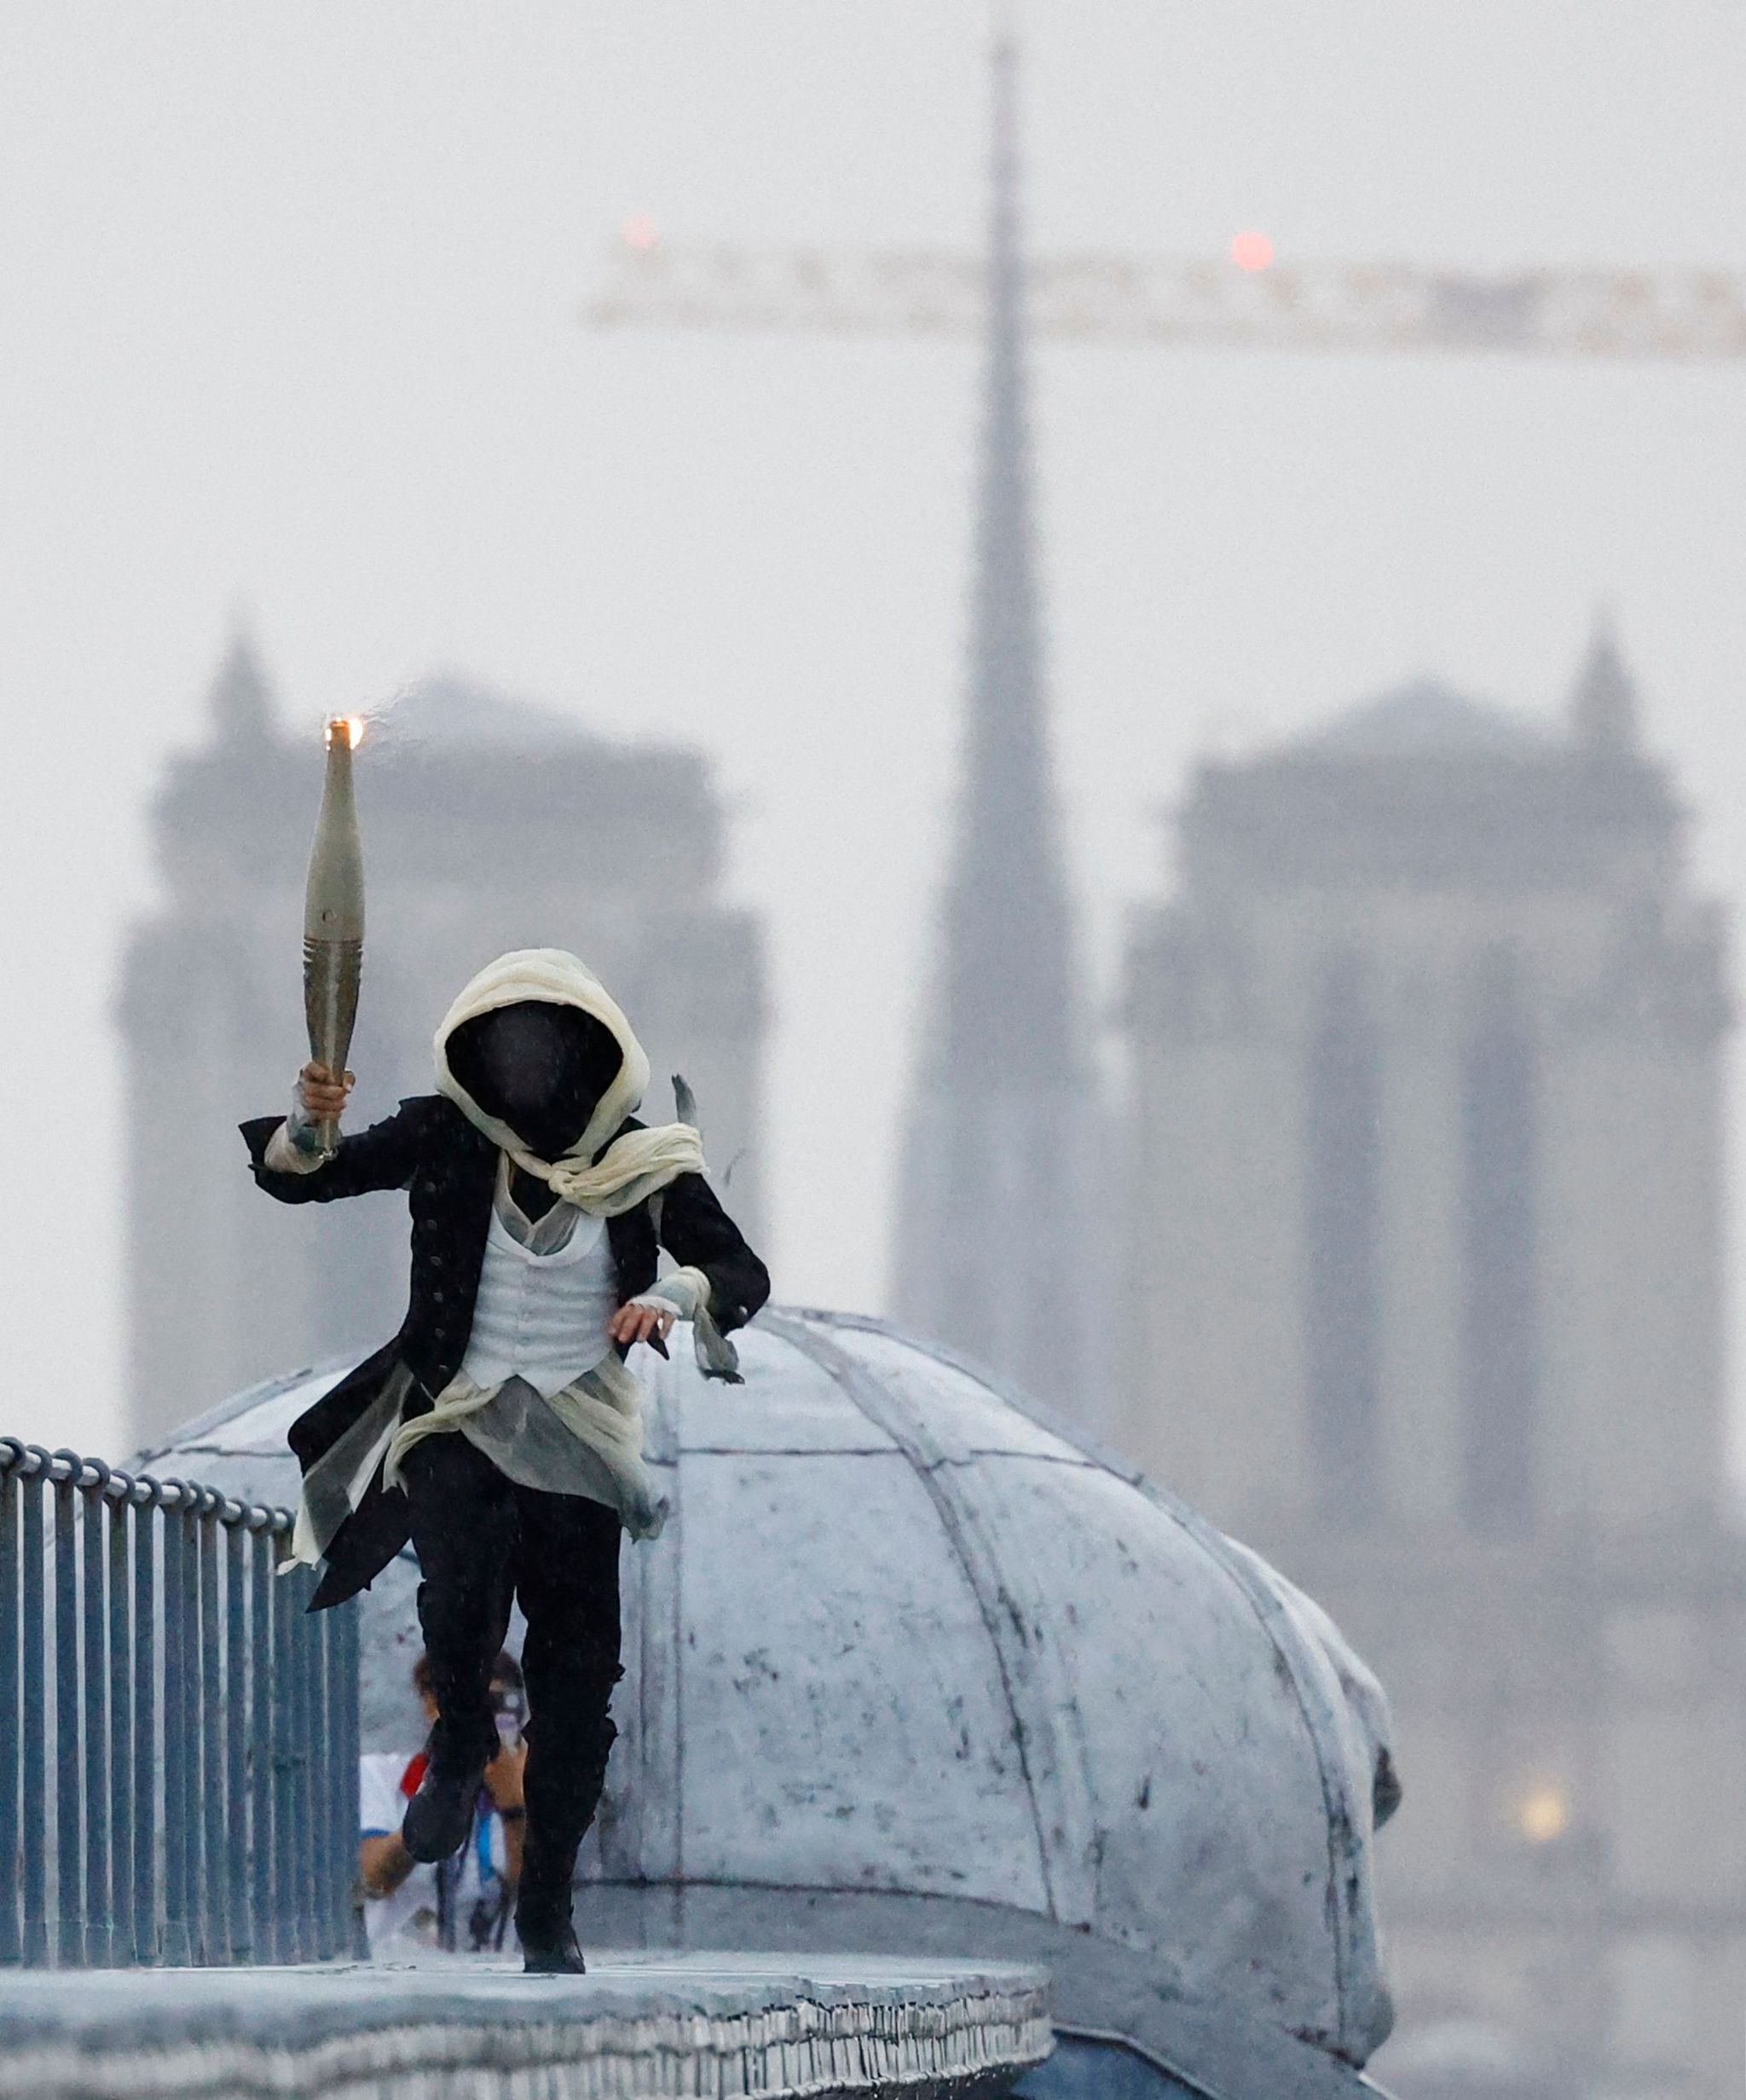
(916, 1657)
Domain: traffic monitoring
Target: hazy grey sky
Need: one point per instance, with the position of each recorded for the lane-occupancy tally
(288, 304)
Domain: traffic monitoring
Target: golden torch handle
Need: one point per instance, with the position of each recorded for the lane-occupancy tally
(333, 915)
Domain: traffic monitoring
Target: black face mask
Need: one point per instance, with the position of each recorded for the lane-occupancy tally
(539, 1068)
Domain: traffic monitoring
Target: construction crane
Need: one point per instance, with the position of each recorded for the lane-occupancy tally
(1248, 300)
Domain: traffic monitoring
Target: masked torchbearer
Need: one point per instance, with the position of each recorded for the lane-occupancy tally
(501, 1429)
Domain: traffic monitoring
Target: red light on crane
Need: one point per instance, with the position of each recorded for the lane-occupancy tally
(639, 231)
(1251, 251)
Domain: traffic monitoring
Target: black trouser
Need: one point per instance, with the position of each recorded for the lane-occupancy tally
(483, 1539)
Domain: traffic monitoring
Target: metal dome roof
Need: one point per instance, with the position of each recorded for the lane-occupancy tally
(912, 1666)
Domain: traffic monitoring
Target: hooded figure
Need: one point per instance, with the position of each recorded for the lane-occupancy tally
(500, 1430)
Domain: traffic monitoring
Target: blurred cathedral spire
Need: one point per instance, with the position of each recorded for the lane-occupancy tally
(241, 703)
(1604, 699)
(988, 1242)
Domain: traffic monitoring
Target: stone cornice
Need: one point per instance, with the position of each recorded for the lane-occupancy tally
(663, 2027)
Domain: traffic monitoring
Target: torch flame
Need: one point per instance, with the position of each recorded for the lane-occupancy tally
(349, 728)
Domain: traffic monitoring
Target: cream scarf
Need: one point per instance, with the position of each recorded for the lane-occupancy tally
(635, 1165)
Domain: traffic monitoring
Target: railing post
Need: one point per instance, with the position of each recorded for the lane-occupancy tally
(342, 1780)
(188, 1602)
(215, 1906)
(357, 1934)
(33, 1724)
(69, 1893)
(98, 1934)
(11, 1837)
(236, 1715)
(343, 1777)
(147, 1888)
(323, 1758)
(123, 1946)
(178, 1940)
(269, 1944)
(285, 1873)
(304, 1748)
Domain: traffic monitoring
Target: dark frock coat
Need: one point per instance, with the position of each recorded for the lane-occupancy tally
(449, 1170)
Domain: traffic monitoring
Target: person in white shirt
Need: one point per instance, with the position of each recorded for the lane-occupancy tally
(461, 1904)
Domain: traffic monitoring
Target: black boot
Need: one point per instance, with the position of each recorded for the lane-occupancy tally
(561, 1957)
(543, 1924)
(440, 1815)
(560, 1806)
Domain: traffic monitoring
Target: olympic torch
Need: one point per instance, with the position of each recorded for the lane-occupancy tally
(334, 914)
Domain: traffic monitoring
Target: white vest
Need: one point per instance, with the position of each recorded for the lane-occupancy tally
(543, 1317)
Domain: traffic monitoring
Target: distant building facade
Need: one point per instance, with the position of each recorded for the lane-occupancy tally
(1426, 1137)
(989, 1252)
(488, 825)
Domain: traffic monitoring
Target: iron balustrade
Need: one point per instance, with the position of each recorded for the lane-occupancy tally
(179, 1735)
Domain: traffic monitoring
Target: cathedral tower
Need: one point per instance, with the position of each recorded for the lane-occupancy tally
(1426, 1132)
(988, 1248)
(489, 823)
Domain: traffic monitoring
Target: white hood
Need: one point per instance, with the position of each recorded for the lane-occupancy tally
(641, 1161)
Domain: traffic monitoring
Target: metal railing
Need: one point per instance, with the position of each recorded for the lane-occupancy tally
(178, 1736)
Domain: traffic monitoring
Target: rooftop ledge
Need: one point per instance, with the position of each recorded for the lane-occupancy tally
(637, 2027)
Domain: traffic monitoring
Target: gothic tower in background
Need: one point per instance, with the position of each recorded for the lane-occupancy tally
(988, 1249)
(1426, 1134)
(489, 823)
